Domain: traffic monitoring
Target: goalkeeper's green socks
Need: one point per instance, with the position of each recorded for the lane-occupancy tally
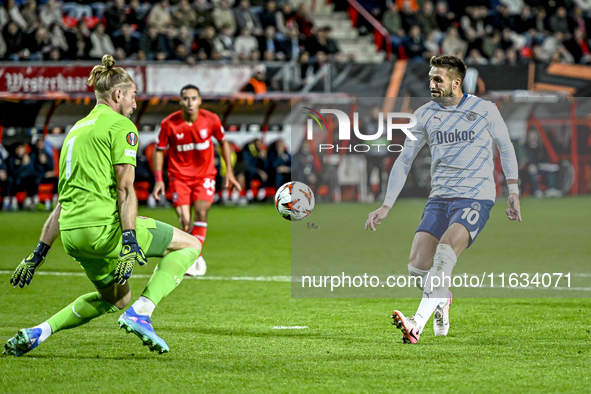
(81, 311)
(167, 276)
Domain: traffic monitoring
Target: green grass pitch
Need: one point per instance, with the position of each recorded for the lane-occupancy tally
(221, 333)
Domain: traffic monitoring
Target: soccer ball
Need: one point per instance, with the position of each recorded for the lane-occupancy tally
(294, 201)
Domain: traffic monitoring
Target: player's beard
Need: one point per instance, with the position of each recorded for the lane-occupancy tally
(445, 96)
(122, 111)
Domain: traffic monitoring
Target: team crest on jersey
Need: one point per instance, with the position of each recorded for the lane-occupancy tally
(203, 133)
(471, 116)
(132, 139)
(476, 206)
(180, 136)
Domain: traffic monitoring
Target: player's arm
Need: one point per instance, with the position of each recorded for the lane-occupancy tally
(398, 175)
(159, 186)
(23, 275)
(227, 156)
(499, 132)
(127, 205)
(158, 161)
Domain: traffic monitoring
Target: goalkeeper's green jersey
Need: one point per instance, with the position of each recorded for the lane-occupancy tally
(87, 183)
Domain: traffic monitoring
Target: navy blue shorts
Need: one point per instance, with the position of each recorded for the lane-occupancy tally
(440, 213)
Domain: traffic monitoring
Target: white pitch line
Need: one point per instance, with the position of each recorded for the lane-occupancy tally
(290, 327)
(278, 278)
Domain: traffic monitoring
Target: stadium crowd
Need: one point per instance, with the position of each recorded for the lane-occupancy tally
(25, 167)
(485, 32)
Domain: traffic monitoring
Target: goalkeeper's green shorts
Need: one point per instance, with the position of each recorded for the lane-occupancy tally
(97, 248)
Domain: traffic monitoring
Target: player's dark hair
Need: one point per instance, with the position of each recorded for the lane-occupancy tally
(190, 87)
(454, 65)
(106, 78)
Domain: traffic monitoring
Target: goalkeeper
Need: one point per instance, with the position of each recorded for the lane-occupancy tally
(97, 219)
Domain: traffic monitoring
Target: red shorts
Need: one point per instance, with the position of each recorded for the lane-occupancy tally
(187, 192)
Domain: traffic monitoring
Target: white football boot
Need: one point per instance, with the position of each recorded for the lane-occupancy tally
(441, 317)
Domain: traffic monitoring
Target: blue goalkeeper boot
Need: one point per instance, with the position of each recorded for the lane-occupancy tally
(141, 325)
(23, 342)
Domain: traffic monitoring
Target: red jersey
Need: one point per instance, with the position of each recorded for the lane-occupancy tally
(191, 150)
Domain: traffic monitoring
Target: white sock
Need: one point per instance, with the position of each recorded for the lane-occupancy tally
(443, 264)
(414, 271)
(45, 331)
(144, 306)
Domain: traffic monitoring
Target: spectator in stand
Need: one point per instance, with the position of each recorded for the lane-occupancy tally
(474, 20)
(432, 45)
(184, 16)
(393, 23)
(539, 164)
(245, 43)
(512, 56)
(14, 14)
(578, 46)
(542, 24)
(183, 54)
(268, 16)
(498, 57)
(253, 167)
(136, 15)
(514, 7)
(445, 18)
(525, 21)
(257, 84)
(414, 44)
(321, 42)
(472, 39)
(101, 42)
(57, 38)
(203, 13)
(490, 43)
(152, 45)
(278, 164)
(269, 42)
(579, 20)
(54, 54)
(24, 175)
(2, 47)
(453, 45)
(14, 40)
(291, 45)
(287, 17)
(303, 168)
(223, 15)
(37, 42)
(82, 44)
(4, 180)
(205, 43)
(160, 16)
(30, 15)
(246, 18)
(428, 20)
(45, 166)
(186, 37)
(115, 16)
(224, 43)
(474, 58)
(408, 16)
(127, 41)
(560, 22)
(50, 13)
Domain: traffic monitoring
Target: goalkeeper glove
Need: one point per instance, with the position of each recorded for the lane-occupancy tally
(23, 274)
(130, 254)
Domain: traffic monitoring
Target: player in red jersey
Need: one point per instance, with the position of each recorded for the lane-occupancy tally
(191, 171)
